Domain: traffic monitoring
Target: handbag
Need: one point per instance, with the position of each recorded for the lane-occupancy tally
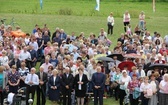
(113, 85)
(109, 23)
(149, 93)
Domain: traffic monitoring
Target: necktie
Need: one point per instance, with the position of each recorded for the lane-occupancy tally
(31, 79)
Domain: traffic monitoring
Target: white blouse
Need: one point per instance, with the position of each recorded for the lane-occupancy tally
(162, 83)
(153, 85)
(145, 87)
(4, 60)
(126, 80)
(110, 19)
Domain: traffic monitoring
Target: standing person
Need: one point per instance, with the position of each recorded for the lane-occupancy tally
(32, 81)
(67, 83)
(80, 83)
(133, 85)
(116, 78)
(141, 20)
(98, 80)
(91, 70)
(123, 81)
(23, 71)
(40, 42)
(155, 86)
(41, 89)
(4, 58)
(15, 61)
(144, 88)
(13, 80)
(110, 23)
(163, 93)
(126, 20)
(54, 86)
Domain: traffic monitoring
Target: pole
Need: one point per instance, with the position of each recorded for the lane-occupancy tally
(154, 8)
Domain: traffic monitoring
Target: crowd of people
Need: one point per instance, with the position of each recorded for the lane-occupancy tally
(68, 63)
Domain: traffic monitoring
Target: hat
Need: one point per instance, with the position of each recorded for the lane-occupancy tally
(141, 50)
(124, 71)
(134, 75)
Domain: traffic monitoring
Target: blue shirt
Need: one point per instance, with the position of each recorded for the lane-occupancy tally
(32, 77)
(54, 62)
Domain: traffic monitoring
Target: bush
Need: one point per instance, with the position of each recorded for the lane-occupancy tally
(65, 11)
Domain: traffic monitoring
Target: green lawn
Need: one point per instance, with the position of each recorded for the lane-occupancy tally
(80, 16)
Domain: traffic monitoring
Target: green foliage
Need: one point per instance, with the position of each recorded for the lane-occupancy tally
(65, 11)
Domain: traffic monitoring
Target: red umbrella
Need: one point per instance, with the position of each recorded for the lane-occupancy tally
(132, 55)
(127, 64)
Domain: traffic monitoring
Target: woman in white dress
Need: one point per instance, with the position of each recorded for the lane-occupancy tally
(154, 84)
(110, 23)
(163, 93)
(123, 81)
(145, 86)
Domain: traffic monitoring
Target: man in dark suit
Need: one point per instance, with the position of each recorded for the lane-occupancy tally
(41, 89)
(15, 61)
(33, 54)
(146, 68)
(67, 83)
(98, 80)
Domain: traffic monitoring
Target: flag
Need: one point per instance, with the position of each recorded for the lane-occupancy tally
(97, 5)
(41, 4)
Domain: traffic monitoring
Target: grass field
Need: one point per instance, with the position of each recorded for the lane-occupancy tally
(80, 16)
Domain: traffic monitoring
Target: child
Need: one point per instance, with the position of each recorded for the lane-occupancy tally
(129, 32)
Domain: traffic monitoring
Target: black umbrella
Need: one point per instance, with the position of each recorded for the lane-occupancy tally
(108, 59)
(120, 57)
(158, 65)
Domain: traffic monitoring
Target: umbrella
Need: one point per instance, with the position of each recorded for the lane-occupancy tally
(105, 59)
(18, 34)
(127, 64)
(158, 65)
(119, 56)
(132, 55)
(98, 55)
